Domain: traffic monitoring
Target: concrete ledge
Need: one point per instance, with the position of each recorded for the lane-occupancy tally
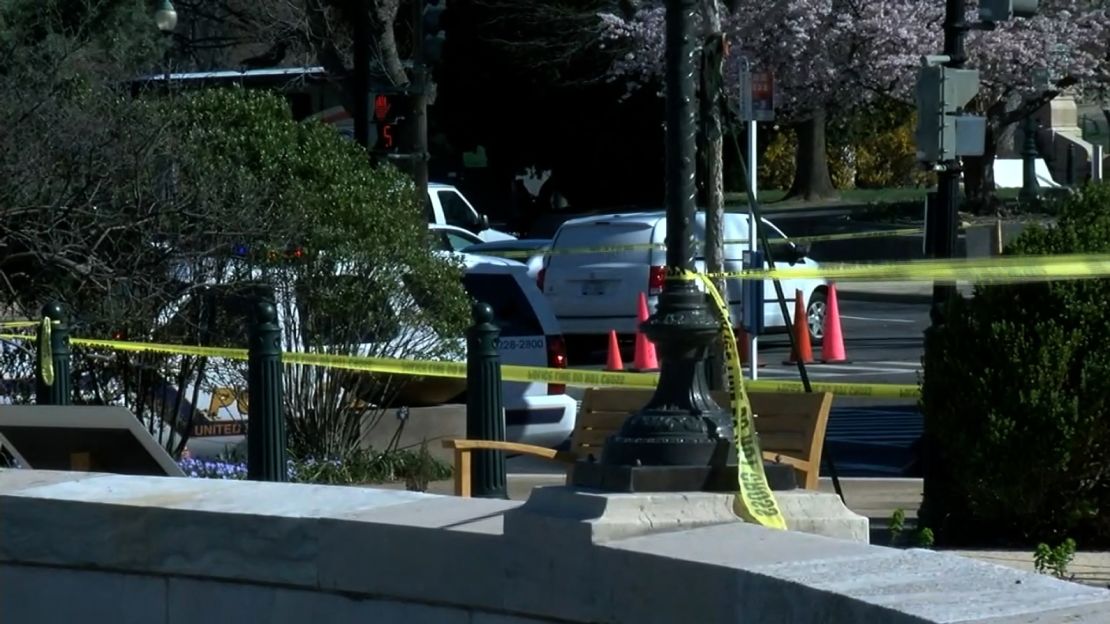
(174, 550)
(596, 517)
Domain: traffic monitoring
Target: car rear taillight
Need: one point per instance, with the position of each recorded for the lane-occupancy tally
(539, 278)
(656, 278)
(556, 358)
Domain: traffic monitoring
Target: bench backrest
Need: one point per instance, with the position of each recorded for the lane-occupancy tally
(792, 424)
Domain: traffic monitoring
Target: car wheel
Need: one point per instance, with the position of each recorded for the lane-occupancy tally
(815, 315)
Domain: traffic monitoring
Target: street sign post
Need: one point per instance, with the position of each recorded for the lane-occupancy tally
(757, 103)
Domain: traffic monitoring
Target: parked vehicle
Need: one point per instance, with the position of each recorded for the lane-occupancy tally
(593, 293)
(535, 412)
(530, 251)
(447, 206)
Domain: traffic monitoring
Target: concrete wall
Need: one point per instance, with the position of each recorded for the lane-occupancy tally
(116, 549)
(57, 595)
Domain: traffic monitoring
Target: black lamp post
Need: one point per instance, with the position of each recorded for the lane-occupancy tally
(681, 440)
(165, 17)
(1029, 186)
(681, 425)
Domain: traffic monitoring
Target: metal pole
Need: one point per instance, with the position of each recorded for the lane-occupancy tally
(1029, 185)
(753, 179)
(1069, 162)
(1096, 164)
(485, 418)
(681, 425)
(948, 187)
(360, 78)
(58, 391)
(265, 423)
(419, 105)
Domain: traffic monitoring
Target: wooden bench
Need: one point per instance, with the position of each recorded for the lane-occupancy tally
(791, 428)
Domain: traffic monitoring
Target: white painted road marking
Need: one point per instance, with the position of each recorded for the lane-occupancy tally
(871, 318)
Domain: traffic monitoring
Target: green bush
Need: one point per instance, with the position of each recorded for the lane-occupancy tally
(1016, 398)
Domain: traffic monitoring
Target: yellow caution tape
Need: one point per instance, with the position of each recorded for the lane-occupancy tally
(755, 501)
(730, 241)
(46, 357)
(509, 372)
(1004, 270)
(574, 250)
(20, 324)
(883, 390)
(820, 238)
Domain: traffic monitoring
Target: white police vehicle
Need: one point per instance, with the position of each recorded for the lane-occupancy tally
(535, 413)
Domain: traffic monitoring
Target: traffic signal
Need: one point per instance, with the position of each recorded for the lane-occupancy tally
(434, 33)
(392, 115)
(943, 130)
(1002, 10)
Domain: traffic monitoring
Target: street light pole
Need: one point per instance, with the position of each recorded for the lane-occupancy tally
(943, 220)
(165, 17)
(1029, 186)
(681, 425)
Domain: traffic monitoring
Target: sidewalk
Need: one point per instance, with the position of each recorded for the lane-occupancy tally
(875, 498)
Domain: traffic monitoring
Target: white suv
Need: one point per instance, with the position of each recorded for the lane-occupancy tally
(593, 293)
(447, 206)
(535, 412)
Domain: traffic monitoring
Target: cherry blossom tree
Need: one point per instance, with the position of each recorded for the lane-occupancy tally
(1068, 41)
(826, 55)
(834, 56)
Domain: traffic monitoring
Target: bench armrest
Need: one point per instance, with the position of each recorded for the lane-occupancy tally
(510, 447)
(786, 459)
(464, 448)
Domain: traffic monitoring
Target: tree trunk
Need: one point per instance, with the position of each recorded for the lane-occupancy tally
(811, 163)
(713, 143)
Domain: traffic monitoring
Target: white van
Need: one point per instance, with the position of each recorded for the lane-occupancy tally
(535, 413)
(593, 293)
(447, 206)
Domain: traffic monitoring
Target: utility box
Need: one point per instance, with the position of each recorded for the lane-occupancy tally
(1002, 10)
(942, 93)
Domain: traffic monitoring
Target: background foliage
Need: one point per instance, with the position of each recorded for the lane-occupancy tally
(155, 215)
(1016, 397)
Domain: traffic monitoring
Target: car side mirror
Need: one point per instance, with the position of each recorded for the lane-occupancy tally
(483, 222)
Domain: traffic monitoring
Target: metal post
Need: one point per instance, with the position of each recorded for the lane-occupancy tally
(360, 76)
(753, 179)
(485, 418)
(1096, 164)
(681, 425)
(59, 390)
(419, 105)
(265, 422)
(1029, 185)
(948, 183)
(1069, 163)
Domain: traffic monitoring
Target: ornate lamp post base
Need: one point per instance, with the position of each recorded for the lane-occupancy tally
(681, 440)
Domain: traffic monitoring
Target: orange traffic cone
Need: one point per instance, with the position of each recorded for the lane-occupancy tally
(644, 359)
(802, 349)
(832, 344)
(614, 362)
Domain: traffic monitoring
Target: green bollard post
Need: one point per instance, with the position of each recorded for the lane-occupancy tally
(485, 418)
(53, 388)
(266, 457)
